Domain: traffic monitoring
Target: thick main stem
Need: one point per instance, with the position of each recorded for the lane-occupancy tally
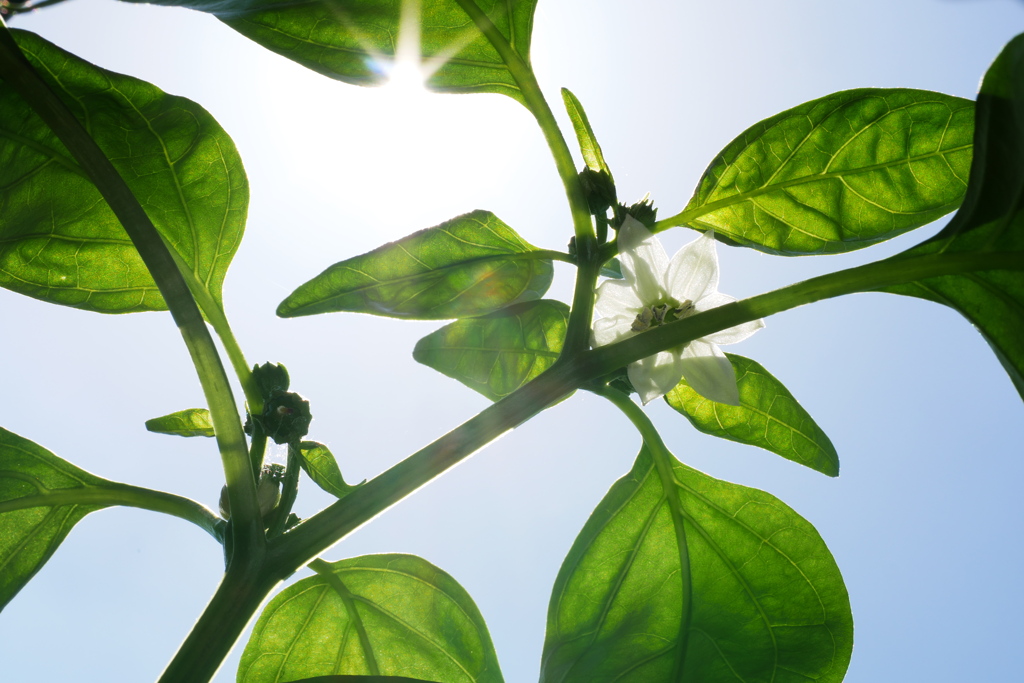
(237, 598)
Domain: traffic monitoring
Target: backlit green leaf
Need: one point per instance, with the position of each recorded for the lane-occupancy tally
(42, 497)
(356, 41)
(190, 422)
(591, 150)
(838, 173)
(752, 594)
(612, 269)
(498, 353)
(319, 463)
(471, 265)
(38, 507)
(768, 416)
(60, 242)
(376, 615)
(361, 679)
(991, 222)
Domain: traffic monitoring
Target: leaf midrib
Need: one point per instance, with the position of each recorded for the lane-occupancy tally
(703, 209)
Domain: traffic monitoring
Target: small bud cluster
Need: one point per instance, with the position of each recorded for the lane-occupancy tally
(286, 416)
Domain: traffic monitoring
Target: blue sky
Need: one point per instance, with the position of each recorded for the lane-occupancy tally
(925, 520)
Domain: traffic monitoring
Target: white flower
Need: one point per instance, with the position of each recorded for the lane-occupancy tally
(655, 291)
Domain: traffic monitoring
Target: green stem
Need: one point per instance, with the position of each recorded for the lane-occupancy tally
(663, 462)
(289, 490)
(321, 531)
(219, 321)
(870, 277)
(238, 597)
(19, 74)
(577, 336)
(113, 493)
(330, 525)
(257, 448)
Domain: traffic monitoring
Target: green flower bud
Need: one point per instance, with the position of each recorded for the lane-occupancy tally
(268, 492)
(270, 378)
(599, 190)
(642, 211)
(286, 417)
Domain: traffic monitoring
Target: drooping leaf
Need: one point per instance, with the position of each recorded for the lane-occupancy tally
(768, 417)
(376, 615)
(60, 242)
(190, 422)
(989, 228)
(591, 150)
(471, 265)
(43, 496)
(838, 173)
(319, 463)
(682, 577)
(498, 353)
(38, 507)
(356, 41)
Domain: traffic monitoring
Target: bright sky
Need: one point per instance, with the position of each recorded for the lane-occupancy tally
(925, 520)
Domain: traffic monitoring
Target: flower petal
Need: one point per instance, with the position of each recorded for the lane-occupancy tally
(616, 297)
(656, 375)
(693, 272)
(709, 372)
(612, 329)
(712, 300)
(733, 334)
(644, 261)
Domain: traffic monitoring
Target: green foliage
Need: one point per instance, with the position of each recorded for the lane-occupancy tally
(374, 615)
(319, 463)
(498, 353)
(59, 240)
(361, 679)
(838, 173)
(768, 417)
(593, 157)
(678, 576)
(189, 422)
(990, 222)
(41, 498)
(357, 41)
(471, 265)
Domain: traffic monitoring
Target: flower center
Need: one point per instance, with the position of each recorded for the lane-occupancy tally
(661, 314)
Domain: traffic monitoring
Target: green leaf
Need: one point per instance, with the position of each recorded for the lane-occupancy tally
(319, 463)
(591, 150)
(498, 353)
(38, 507)
(377, 615)
(751, 594)
(190, 422)
(991, 222)
(839, 173)
(612, 269)
(361, 679)
(768, 417)
(471, 265)
(357, 41)
(59, 240)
